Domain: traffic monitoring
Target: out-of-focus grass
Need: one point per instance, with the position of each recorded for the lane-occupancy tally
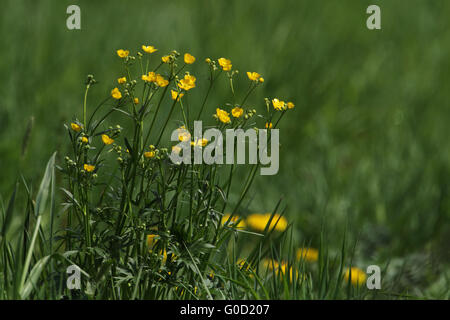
(367, 145)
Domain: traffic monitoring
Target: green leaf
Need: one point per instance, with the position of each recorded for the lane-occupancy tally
(41, 198)
(33, 277)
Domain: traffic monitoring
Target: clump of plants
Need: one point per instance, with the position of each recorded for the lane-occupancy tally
(138, 225)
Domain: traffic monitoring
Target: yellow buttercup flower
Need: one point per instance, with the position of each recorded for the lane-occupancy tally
(188, 58)
(225, 64)
(136, 101)
(269, 125)
(308, 254)
(201, 142)
(107, 140)
(184, 135)
(149, 49)
(237, 112)
(290, 105)
(223, 116)
(84, 140)
(278, 105)
(176, 96)
(151, 77)
(160, 81)
(357, 277)
(116, 94)
(149, 154)
(259, 221)
(88, 167)
(187, 83)
(165, 59)
(75, 127)
(122, 80)
(261, 80)
(254, 76)
(123, 53)
(151, 239)
(233, 221)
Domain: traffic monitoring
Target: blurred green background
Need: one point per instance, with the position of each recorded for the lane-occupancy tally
(367, 146)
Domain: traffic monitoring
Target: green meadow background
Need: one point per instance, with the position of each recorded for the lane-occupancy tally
(366, 149)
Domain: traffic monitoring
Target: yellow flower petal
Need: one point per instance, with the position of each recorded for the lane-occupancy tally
(237, 112)
(116, 94)
(308, 254)
(357, 276)
(225, 64)
(107, 140)
(187, 83)
(149, 154)
(259, 222)
(254, 76)
(149, 49)
(123, 53)
(165, 59)
(188, 58)
(88, 167)
(75, 127)
(223, 116)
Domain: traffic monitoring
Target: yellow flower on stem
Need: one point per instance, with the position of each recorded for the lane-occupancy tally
(259, 222)
(149, 154)
(183, 134)
(261, 80)
(136, 100)
(237, 112)
(107, 140)
(254, 76)
(225, 64)
(123, 53)
(233, 221)
(84, 140)
(223, 116)
(116, 94)
(165, 59)
(75, 127)
(187, 83)
(88, 167)
(188, 58)
(278, 105)
(122, 80)
(290, 105)
(151, 239)
(160, 81)
(149, 49)
(151, 77)
(308, 254)
(176, 96)
(356, 275)
(201, 142)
